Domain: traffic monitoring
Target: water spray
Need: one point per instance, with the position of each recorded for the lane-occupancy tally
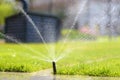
(54, 68)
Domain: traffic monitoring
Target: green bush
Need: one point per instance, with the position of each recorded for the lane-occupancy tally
(75, 34)
(1, 37)
(6, 9)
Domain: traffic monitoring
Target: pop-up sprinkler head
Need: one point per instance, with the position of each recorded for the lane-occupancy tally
(54, 68)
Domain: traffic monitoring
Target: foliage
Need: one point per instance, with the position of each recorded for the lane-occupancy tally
(75, 34)
(1, 37)
(6, 9)
(61, 14)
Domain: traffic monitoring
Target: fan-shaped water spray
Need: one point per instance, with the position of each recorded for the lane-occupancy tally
(44, 58)
(52, 55)
(81, 8)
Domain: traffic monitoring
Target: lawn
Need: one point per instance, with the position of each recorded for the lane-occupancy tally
(93, 58)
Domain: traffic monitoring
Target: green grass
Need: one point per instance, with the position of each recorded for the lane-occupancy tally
(93, 59)
(99, 58)
(15, 58)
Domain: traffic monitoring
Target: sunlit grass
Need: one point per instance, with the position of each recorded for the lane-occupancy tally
(94, 58)
(16, 58)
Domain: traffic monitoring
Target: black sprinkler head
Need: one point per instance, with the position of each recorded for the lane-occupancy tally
(54, 68)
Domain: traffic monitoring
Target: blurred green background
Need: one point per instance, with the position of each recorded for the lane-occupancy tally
(6, 9)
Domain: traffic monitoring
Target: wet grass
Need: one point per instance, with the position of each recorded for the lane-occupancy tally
(16, 58)
(93, 59)
(99, 58)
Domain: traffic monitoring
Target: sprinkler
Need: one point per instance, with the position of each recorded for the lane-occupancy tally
(54, 68)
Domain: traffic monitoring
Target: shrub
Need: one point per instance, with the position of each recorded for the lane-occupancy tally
(75, 34)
